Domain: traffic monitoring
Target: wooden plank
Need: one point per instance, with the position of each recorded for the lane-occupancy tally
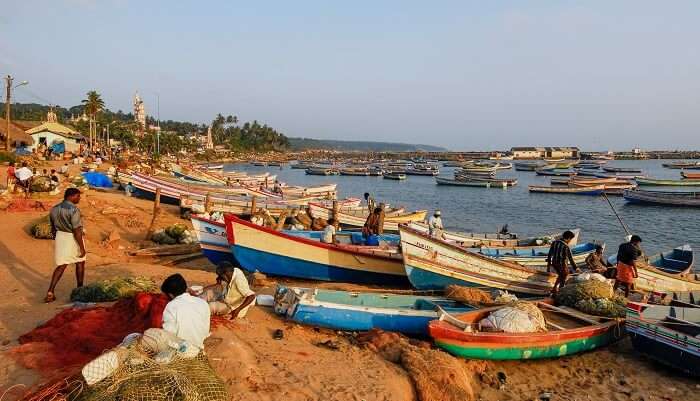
(571, 312)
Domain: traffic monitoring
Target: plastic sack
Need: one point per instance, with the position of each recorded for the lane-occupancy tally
(514, 319)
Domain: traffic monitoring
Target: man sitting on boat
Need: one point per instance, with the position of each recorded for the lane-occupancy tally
(372, 227)
(231, 294)
(435, 226)
(328, 236)
(627, 256)
(558, 257)
(595, 262)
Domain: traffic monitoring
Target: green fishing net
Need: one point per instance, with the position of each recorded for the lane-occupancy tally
(113, 289)
(592, 297)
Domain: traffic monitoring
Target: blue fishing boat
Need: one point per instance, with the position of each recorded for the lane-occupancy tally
(676, 261)
(537, 256)
(662, 198)
(211, 236)
(362, 311)
(283, 254)
(668, 334)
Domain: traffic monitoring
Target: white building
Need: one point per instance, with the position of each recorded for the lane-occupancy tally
(52, 132)
(139, 111)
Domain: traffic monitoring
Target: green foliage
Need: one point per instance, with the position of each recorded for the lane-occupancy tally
(111, 290)
(7, 157)
(249, 136)
(93, 104)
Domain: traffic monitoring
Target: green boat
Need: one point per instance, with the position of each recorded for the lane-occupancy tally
(670, 183)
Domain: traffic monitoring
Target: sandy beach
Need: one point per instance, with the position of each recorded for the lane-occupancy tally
(308, 363)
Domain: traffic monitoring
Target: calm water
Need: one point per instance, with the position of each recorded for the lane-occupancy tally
(486, 210)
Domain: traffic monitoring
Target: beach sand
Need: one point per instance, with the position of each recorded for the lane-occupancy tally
(301, 366)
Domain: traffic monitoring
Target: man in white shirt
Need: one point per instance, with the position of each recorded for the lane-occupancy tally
(231, 294)
(24, 177)
(435, 225)
(329, 231)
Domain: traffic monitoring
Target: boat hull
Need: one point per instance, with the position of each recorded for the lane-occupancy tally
(211, 236)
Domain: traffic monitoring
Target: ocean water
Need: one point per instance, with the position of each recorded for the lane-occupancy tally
(486, 210)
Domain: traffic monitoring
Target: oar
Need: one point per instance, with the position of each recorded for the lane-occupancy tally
(624, 226)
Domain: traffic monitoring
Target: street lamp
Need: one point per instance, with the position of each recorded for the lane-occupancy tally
(8, 81)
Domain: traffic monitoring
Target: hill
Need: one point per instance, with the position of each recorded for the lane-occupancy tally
(367, 146)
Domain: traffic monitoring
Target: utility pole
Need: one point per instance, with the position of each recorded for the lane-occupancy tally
(8, 81)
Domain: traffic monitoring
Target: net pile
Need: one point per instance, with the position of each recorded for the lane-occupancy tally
(113, 289)
(140, 378)
(76, 336)
(42, 229)
(175, 234)
(22, 205)
(593, 297)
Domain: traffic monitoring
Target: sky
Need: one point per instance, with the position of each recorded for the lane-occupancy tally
(466, 75)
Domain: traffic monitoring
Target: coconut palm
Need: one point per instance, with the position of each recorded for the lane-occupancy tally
(93, 106)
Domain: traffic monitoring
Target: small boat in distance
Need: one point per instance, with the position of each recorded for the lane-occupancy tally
(362, 311)
(394, 175)
(683, 165)
(611, 169)
(686, 199)
(676, 261)
(568, 332)
(321, 171)
(555, 172)
(468, 183)
(690, 176)
(672, 183)
(590, 191)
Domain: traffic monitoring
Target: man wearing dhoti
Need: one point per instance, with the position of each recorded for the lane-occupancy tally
(67, 226)
(231, 295)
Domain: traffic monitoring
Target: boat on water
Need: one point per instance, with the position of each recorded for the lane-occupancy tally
(394, 175)
(469, 183)
(354, 171)
(672, 183)
(555, 172)
(277, 253)
(357, 219)
(362, 311)
(587, 190)
(663, 198)
(668, 334)
(528, 165)
(537, 256)
(568, 332)
(321, 171)
(690, 176)
(433, 264)
(258, 163)
(493, 180)
(423, 169)
(619, 176)
(683, 165)
(612, 169)
(211, 166)
(676, 261)
(301, 165)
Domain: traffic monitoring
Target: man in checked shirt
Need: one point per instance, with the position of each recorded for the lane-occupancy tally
(558, 257)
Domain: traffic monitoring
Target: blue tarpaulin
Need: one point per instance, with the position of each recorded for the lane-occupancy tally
(95, 179)
(58, 147)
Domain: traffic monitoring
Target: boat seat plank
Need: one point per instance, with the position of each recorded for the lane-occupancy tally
(571, 312)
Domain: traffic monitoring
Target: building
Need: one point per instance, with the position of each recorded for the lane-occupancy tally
(139, 112)
(52, 132)
(545, 152)
(18, 138)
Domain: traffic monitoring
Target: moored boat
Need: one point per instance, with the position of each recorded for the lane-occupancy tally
(321, 171)
(555, 172)
(469, 183)
(673, 183)
(612, 169)
(683, 165)
(568, 332)
(353, 219)
(271, 252)
(591, 191)
(668, 334)
(433, 264)
(663, 198)
(676, 261)
(394, 175)
(211, 236)
(362, 311)
(537, 256)
(690, 176)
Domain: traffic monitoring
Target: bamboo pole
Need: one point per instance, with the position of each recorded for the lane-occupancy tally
(207, 203)
(252, 205)
(156, 211)
(335, 213)
(624, 226)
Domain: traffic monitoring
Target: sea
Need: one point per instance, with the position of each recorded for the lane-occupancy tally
(469, 209)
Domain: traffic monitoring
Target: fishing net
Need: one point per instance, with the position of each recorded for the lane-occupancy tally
(139, 377)
(42, 229)
(593, 297)
(113, 289)
(42, 184)
(175, 234)
(468, 295)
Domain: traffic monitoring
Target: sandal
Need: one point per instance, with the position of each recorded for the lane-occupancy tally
(50, 297)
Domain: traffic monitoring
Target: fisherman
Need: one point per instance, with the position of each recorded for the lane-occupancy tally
(558, 257)
(627, 256)
(11, 177)
(129, 189)
(369, 200)
(54, 177)
(67, 226)
(328, 236)
(595, 262)
(435, 227)
(277, 188)
(64, 169)
(231, 294)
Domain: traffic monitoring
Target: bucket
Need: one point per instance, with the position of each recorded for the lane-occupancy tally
(372, 240)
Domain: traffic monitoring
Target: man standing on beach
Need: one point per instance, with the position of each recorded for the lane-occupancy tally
(627, 255)
(67, 225)
(559, 255)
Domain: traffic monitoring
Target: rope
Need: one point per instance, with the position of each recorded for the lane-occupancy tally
(624, 226)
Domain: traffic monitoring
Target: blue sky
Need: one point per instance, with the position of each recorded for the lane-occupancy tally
(462, 74)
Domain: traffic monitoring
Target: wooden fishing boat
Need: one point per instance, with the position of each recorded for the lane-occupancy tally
(661, 198)
(349, 219)
(394, 175)
(591, 191)
(612, 169)
(493, 180)
(355, 171)
(466, 183)
(261, 249)
(667, 334)
(674, 183)
(683, 165)
(259, 163)
(528, 165)
(433, 264)
(619, 176)
(211, 236)
(321, 171)
(301, 165)
(568, 332)
(690, 176)
(428, 170)
(556, 173)
(536, 256)
(472, 170)
(676, 261)
(362, 311)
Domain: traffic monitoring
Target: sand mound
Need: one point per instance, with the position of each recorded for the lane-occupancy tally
(436, 375)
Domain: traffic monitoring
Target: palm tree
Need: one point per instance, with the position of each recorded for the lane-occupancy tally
(93, 106)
